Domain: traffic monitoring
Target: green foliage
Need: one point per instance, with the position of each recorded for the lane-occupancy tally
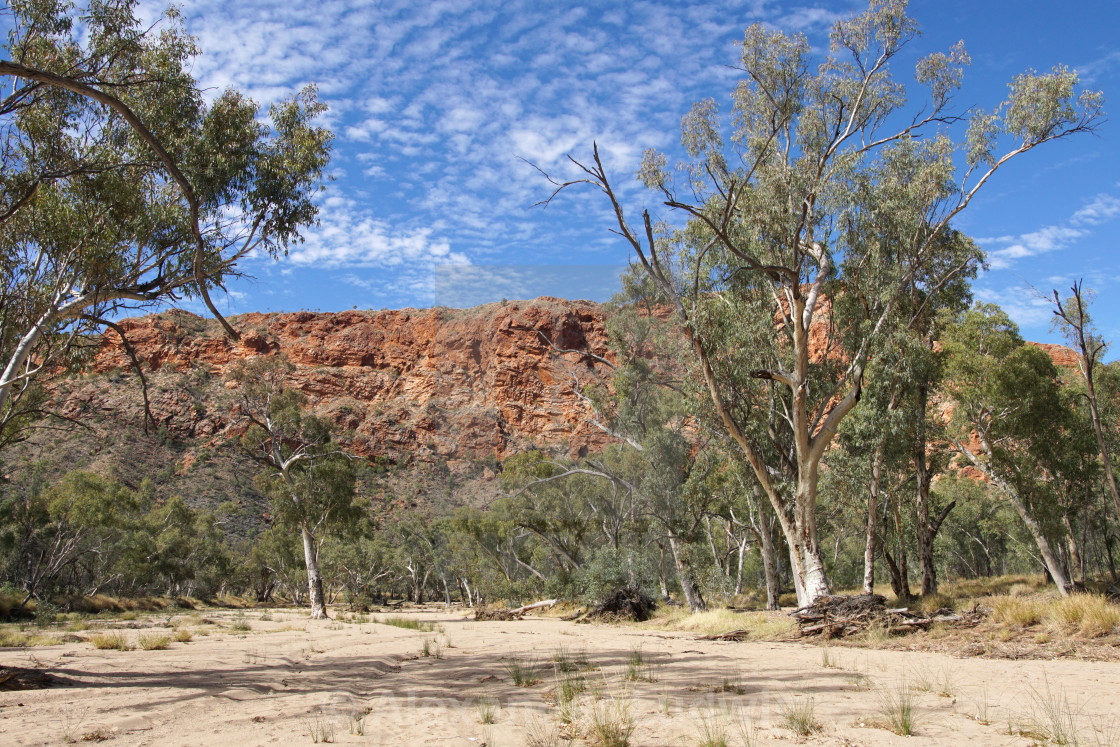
(123, 186)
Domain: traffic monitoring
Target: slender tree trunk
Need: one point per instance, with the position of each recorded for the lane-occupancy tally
(663, 572)
(1108, 540)
(872, 521)
(314, 580)
(739, 565)
(925, 530)
(1075, 564)
(769, 564)
(900, 573)
(692, 594)
(724, 571)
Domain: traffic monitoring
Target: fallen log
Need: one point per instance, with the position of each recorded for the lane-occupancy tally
(512, 614)
(550, 603)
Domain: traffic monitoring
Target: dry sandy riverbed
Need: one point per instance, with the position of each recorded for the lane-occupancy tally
(288, 677)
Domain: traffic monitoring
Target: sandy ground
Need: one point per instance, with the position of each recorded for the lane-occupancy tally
(288, 677)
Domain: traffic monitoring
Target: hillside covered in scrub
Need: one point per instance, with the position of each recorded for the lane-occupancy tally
(441, 395)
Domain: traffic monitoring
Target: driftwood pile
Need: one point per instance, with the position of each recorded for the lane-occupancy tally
(627, 603)
(512, 614)
(842, 616)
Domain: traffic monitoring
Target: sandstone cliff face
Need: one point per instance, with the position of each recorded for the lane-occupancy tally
(478, 384)
(434, 384)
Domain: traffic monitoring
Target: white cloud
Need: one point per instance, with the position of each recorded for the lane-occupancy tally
(350, 236)
(1103, 208)
(1090, 72)
(1023, 304)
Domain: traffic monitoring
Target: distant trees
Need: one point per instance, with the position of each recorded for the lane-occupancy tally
(811, 225)
(85, 534)
(122, 187)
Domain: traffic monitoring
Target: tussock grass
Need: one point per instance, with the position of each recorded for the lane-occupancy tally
(799, 716)
(566, 661)
(110, 640)
(639, 667)
(897, 707)
(320, 730)
(410, 623)
(1053, 718)
(540, 732)
(1088, 615)
(487, 710)
(431, 648)
(712, 731)
(612, 721)
(154, 641)
(566, 691)
(759, 625)
(1020, 611)
(12, 638)
(183, 636)
(522, 672)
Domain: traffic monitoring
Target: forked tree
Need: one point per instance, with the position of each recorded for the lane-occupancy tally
(309, 478)
(808, 220)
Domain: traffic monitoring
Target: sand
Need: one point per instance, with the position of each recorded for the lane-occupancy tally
(289, 678)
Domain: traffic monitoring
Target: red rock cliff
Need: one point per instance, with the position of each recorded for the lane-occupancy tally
(436, 383)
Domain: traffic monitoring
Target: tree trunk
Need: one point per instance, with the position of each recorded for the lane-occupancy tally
(804, 549)
(925, 530)
(314, 580)
(739, 565)
(1108, 540)
(663, 573)
(724, 571)
(1075, 563)
(692, 594)
(769, 564)
(900, 573)
(898, 583)
(872, 521)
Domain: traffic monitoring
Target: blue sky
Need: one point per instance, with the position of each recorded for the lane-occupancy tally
(434, 104)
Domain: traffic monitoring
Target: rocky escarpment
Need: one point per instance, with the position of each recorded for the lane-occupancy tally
(437, 383)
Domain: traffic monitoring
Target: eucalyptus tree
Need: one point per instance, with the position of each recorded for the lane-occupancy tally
(1071, 317)
(308, 477)
(1014, 423)
(807, 223)
(123, 187)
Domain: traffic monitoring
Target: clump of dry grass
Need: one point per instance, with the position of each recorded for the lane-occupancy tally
(1089, 615)
(612, 721)
(757, 625)
(897, 707)
(799, 716)
(14, 638)
(154, 641)
(110, 640)
(522, 672)
(1020, 611)
(183, 635)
